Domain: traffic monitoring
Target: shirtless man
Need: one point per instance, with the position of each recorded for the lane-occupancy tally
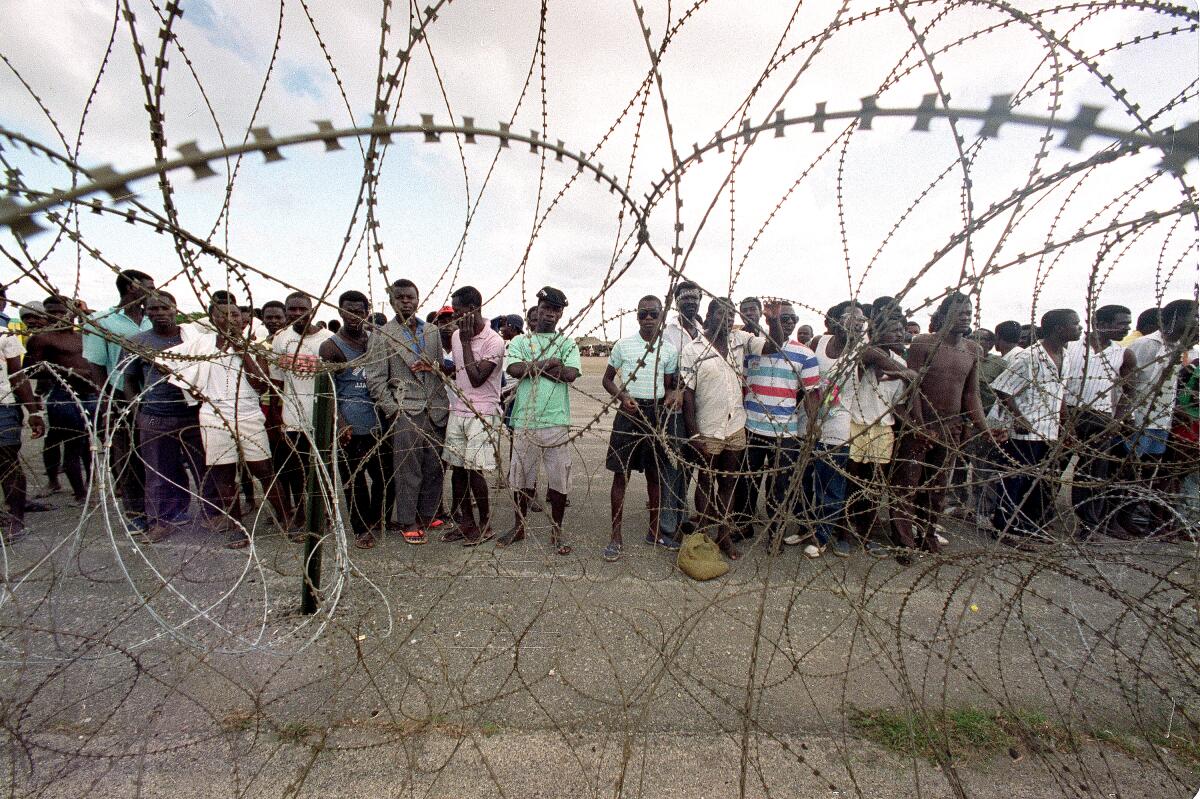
(55, 356)
(948, 390)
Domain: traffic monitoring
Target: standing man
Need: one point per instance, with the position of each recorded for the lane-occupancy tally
(876, 402)
(297, 354)
(16, 396)
(360, 432)
(226, 384)
(1159, 356)
(404, 376)
(713, 369)
(975, 474)
(168, 425)
(804, 334)
(825, 475)
(676, 468)
(947, 385)
(545, 362)
(1147, 323)
(1031, 388)
(274, 318)
(55, 355)
(1097, 373)
(782, 399)
(647, 368)
(1008, 337)
(911, 330)
(751, 310)
(473, 427)
(105, 336)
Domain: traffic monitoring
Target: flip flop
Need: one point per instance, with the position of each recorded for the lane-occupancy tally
(365, 541)
(415, 537)
(452, 535)
(562, 549)
(612, 552)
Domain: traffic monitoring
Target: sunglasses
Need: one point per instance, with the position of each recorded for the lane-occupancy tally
(647, 314)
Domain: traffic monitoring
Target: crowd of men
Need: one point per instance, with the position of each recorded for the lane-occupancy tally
(851, 437)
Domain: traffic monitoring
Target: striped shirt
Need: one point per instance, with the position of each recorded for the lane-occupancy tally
(642, 367)
(773, 385)
(1091, 377)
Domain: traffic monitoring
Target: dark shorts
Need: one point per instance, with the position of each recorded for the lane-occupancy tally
(12, 422)
(634, 443)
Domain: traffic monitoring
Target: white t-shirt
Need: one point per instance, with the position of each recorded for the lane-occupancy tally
(297, 359)
(10, 347)
(218, 377)
(1154, 381)
(836, 373)
(870, 399)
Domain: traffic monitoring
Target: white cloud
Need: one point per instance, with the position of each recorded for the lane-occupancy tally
(289, 219)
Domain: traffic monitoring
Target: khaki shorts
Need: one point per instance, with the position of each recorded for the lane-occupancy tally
(715, 446)
(871, 443)
(531, 448)
(471, 442)
(228, 439)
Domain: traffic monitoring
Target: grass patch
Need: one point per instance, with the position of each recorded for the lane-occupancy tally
(1185, 747)
(965, 733)
(960, 733)
(238, 721)
(294, 732)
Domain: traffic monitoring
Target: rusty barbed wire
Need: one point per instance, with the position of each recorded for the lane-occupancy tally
(789, 675)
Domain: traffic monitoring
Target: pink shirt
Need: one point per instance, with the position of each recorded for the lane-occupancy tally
(466, 399)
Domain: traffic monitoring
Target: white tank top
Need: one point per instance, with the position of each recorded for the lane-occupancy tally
(835, 373)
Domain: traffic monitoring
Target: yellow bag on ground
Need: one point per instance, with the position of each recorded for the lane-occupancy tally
(700, 558)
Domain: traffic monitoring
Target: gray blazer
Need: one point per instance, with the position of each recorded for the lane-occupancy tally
(391, 381)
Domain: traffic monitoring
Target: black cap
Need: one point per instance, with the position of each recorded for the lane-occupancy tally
(553, 296)
(515, 322)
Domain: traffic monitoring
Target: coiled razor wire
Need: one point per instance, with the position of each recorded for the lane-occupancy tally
(210, 658)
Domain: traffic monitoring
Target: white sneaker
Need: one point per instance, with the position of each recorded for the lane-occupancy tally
(792, 540)
(941, 539)
(812, 551)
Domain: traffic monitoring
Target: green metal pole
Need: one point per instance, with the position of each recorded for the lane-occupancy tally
(322, 454)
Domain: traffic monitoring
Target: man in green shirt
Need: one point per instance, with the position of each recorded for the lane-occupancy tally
(105, 337)
(544, 361)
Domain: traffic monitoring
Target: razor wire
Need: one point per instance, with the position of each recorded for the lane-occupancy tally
(1073, 616)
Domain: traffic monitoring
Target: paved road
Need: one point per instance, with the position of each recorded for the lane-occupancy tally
(454, 672)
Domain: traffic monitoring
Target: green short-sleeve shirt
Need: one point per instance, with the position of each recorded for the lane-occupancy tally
(542, 402)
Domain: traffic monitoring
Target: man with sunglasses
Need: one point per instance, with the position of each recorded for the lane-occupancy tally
(641, 375)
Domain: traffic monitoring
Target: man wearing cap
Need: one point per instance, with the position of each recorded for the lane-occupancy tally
(404, 376)
(544, 362)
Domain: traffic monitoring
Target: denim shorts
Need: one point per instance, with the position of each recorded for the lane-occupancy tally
(1151, 441)
(12, 421)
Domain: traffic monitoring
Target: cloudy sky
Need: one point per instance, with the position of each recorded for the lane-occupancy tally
(812, 216)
